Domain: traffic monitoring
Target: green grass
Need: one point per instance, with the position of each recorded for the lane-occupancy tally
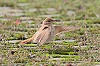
(83, 13)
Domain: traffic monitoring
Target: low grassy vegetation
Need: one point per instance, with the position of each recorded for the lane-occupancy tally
(20, 19)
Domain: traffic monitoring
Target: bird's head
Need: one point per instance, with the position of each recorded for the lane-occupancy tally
(49, 21)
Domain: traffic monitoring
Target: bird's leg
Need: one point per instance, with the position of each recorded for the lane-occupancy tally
(27, 40)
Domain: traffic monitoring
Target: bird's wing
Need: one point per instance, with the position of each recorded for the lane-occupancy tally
(43, 35)
(65, 28)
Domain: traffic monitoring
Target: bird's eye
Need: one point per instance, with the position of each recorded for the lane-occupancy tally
(49, 20)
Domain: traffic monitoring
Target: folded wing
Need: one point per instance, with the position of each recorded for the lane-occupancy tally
(42, 36)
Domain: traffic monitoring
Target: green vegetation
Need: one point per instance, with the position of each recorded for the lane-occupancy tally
(20, 19)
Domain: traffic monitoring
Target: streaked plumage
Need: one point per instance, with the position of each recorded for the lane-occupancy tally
(47, 32)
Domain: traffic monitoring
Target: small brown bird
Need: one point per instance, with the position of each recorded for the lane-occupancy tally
(47, 31)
